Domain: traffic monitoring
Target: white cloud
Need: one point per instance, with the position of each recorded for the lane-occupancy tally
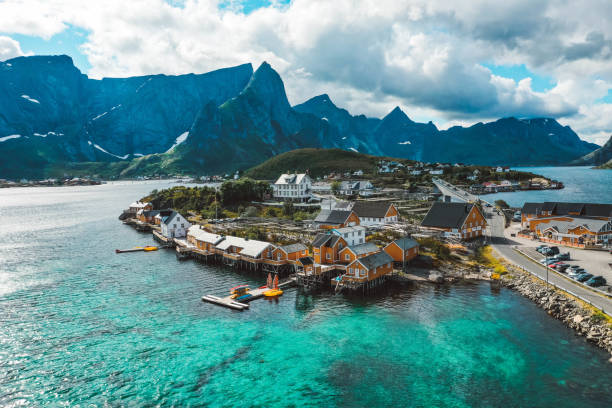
(9, 48)
(369, 56)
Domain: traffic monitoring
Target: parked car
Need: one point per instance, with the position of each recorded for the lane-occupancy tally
(539, 248)
(558, 265)
(562, 268)
(584, 277)
(564, 256)
(554, 250)
(596, 281)
(574, 267)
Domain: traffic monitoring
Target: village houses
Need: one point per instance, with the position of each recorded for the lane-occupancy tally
(293, 187)
(457, 220)
(174, 225)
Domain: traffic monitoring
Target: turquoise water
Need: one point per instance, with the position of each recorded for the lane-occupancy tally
(582, 184)
(80, 325)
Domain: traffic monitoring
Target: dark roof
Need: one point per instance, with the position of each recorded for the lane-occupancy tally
(293, 248)
(167, 219)
(332, 216)
(532, 208)
(375, 209)
(150, 213)
(375, 260)
(363, 248)
(328, 240)
(406, 243)
(306, 260)
(447, 215)
(563, 208)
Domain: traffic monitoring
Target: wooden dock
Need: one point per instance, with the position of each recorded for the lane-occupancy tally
(258, 293)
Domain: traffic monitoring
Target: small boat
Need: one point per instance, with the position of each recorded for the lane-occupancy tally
(273, 293)
(244, 297)
(238, 291)
(149, 248)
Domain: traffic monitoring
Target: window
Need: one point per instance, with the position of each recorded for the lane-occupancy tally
(350, 271)
(327, 256)
(182, 225)
(347, 257)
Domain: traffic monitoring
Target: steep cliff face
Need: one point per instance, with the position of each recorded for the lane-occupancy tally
(50, 112)
(598, 157)
(233, 118)
(505, 141)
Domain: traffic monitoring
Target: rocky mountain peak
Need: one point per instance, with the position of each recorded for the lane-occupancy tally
(268, 87)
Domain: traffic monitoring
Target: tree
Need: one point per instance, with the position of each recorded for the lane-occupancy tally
(335, 187)
(288, 208)
(501, 204)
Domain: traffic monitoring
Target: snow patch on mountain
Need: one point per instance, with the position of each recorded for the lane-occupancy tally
(27, 98)
(178, 141)
(9, 137)
(407, 142)
(353, 149)
(100, 148)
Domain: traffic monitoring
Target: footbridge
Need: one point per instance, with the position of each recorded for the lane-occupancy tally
(449, 190)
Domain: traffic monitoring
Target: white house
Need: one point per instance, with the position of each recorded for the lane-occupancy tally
(174, 226)
(358, 173)
(352, 235)
(375, 213)
(357, 187)
(439, 171)
(295, 187)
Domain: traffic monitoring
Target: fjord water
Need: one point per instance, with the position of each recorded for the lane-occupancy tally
(582, 184)
(81, 325)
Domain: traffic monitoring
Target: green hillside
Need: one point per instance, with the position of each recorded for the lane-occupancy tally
(318, 162)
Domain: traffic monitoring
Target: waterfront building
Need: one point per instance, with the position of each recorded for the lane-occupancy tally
(402, 249)
(329, 219)
(291, 252)
(293, 187)
(203, 240)
(174, 225)
(375, 213)
(349, 253)
(139, 205)
(554, 208)
(352, 235)
(368, 268)
(357, 187)
(326, 248)
(457, 220)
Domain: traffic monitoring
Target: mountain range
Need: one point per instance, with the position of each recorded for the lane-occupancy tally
(599, 157)
(54, 118)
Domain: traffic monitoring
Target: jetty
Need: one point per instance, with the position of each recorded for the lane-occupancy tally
(258, 293)
(137, 249)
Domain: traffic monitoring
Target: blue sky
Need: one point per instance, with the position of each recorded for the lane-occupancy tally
(426, 56)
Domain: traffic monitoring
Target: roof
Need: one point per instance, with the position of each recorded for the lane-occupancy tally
(328, 240)
(290, 178)
(356, 185)
(405, 243)
(363, 248)
(563, 208)
(332, 216)
(375, 260)
(204, 236)
(167, 219)
(447, 215)
(298, 247)
(344, 230)
(250, 247)
(591, 224)
(374, 209)
(306, 260)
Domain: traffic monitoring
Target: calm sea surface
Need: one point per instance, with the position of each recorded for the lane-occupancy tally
(582, 184)
(81, 325)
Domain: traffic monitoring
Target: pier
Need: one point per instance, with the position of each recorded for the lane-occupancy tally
(258, 293)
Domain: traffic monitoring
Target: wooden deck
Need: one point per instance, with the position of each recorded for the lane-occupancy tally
(230, 303)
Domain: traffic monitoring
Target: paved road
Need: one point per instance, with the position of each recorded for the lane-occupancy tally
(504, 247)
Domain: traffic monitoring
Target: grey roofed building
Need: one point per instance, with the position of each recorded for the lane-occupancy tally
(374, 209)
(591, 224)
(406, 243)
(332, 217)
(297, 247)
(363, 248)
(328, 240)
(447, 215)
(375, 260)
(563, 208)
(306, 260)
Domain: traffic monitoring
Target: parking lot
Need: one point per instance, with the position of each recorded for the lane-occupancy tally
(594, 262)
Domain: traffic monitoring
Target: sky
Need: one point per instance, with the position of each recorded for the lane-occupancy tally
(454, 62)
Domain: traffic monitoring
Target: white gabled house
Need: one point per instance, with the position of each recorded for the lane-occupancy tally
(295, 187)
(174, 225)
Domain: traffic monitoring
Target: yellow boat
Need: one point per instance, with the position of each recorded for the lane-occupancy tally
(150, 248)
(273, 292)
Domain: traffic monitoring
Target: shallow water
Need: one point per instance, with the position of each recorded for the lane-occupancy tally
(82, 325)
